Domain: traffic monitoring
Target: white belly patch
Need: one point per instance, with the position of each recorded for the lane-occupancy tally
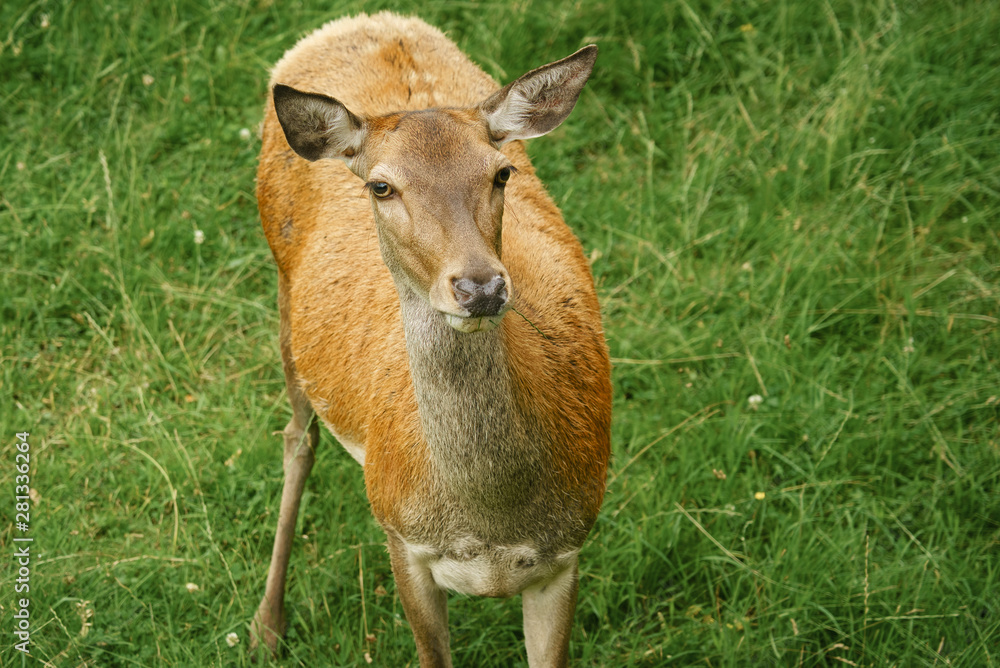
(356, 450)
(469, 566)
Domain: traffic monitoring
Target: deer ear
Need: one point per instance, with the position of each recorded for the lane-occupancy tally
(317, 126)
(540, 100)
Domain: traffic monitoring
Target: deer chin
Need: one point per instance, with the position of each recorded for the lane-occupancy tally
(470, 325)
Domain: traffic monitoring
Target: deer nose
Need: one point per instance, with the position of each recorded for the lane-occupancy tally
(481, 299)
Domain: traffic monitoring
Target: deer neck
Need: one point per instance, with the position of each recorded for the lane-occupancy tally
(478, 437)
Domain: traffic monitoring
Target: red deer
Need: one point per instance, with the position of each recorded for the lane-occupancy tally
(439, 317)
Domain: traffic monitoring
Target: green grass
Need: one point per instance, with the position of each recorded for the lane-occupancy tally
(795, 200)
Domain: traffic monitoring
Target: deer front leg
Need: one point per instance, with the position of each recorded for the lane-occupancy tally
(300, 441)
(548, 619)
(301, 438)
(425, 605)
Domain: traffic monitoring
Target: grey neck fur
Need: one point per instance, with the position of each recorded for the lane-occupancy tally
(480, 443)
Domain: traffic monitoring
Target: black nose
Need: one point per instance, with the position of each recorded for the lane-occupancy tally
(480, 299)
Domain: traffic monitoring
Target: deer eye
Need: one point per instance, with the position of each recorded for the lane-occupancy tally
(502, 177)
(380, 189)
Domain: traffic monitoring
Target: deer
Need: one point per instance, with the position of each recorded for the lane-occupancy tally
(439, 317)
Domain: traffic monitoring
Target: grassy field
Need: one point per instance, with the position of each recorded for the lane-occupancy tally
(792, 201)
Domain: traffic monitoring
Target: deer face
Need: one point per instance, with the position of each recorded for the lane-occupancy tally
(436, 183)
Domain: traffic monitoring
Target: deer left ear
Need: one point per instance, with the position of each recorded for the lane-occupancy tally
(540, 100)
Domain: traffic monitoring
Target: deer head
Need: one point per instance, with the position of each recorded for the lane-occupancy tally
(436, 180)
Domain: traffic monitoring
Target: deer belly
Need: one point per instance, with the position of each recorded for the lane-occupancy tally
(471, 567)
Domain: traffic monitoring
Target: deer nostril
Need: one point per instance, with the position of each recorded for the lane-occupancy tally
(496, 289)
(480, 299)
(463, 288)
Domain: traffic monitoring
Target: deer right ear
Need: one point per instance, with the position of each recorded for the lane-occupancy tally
(317, 126)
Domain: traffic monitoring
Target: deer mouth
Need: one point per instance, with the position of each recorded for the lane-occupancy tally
(471, 324)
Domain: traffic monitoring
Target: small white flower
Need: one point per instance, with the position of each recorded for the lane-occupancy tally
(199, 237)
(908, 348)
(192, 587)
(755, 400)
(232, 639)
(245, 134)
(147, 79)
(45, 21)
(232, 460)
